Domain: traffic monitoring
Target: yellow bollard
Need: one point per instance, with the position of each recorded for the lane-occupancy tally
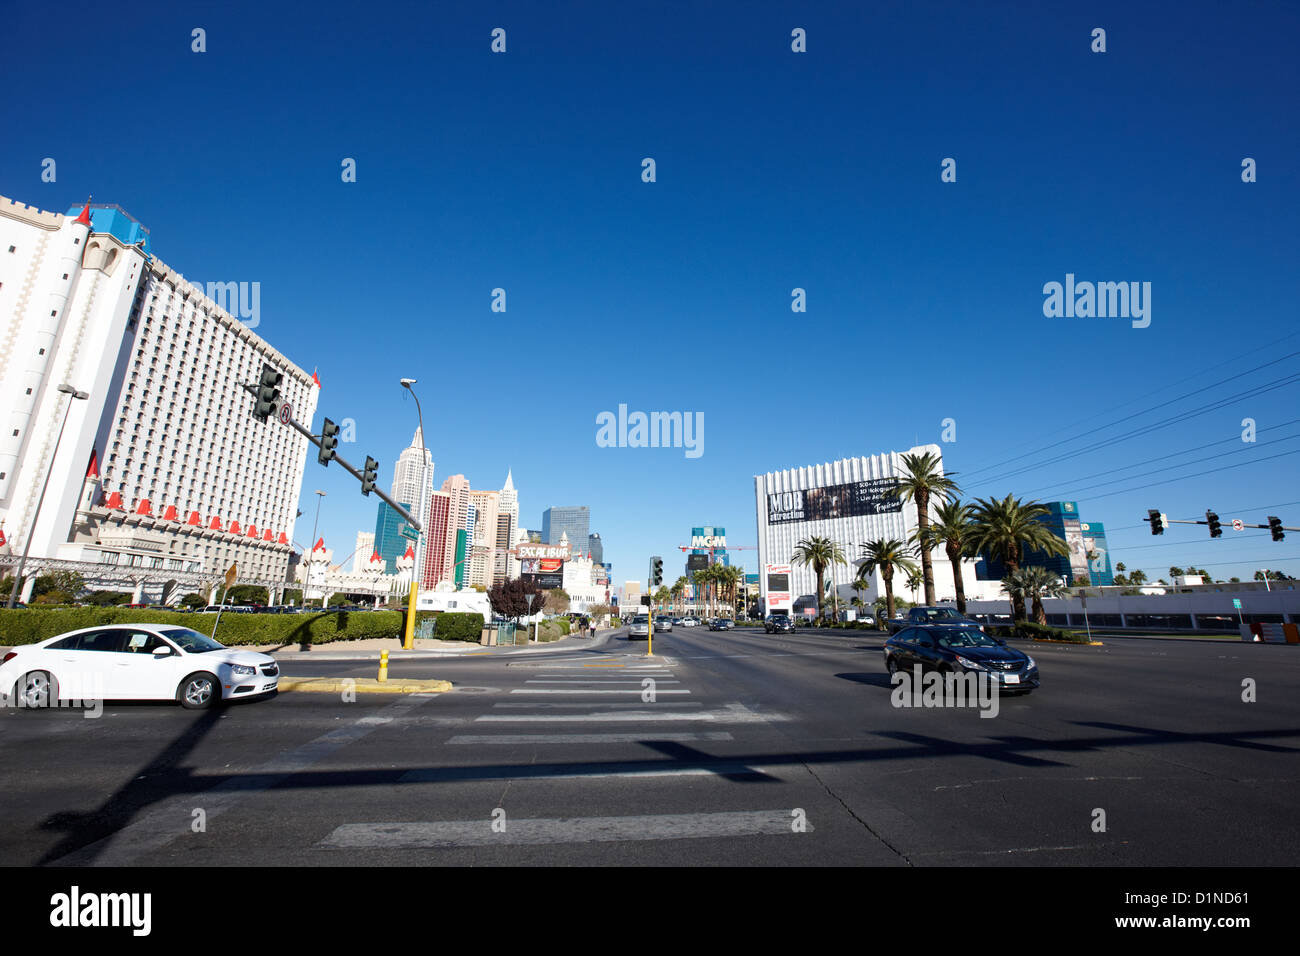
(383, 665)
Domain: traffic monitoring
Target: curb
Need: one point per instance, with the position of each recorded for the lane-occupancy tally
(363, 685)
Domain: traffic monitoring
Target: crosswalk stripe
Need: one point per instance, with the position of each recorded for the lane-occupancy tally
(729, 715)
(467, 833)
(515, 739)
(637, 682)
(576, 690)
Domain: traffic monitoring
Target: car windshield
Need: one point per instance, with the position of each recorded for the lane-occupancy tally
(965, 637)
(191, 642)
(941, 614)
(640, 619)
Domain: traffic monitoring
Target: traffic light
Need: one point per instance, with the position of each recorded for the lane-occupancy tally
(268, 393)
(1213, 519)
(656, 571)
(329, 441)
(1275, 526)
(1158, 521)
(369, 475)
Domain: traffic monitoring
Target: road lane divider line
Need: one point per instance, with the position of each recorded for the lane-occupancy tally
(540, 831)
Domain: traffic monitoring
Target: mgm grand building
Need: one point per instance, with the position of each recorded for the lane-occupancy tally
(851, 502)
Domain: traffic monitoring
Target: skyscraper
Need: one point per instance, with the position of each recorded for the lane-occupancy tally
(457, 490)
(574, 521)
(408, 472)
(596, 548)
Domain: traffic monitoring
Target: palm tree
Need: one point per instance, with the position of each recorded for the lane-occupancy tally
(952, 529)
(732, 577)
(818, 554)
(1007, 528)
(1034, 583)
(887, 555)
(921, 482)
(1137, 577)
(678, 589)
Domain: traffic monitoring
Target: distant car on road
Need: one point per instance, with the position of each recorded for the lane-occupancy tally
(134, 662)
(779, 624)
(961, 649)
(947, 616)
(640, 627)
(663, 623)
(721, 624)
(690, 622)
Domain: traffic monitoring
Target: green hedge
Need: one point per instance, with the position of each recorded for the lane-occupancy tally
(1040, 632)
(29, 625)
(459, 626)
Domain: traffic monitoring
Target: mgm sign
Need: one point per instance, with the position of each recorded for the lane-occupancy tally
(704, 538)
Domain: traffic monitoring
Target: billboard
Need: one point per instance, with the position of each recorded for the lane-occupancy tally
(850, 500)
(541, 566)
(696, 562)
(777, 591)
(709, 538)
(541, 551)
(547, 582)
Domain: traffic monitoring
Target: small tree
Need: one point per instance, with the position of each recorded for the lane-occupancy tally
(557, 601)
(194, 600)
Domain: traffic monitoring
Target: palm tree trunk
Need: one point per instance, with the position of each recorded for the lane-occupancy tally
(956, 577)
(889, 594)
(923, 526)
(1040, 615)
(820, 584)
(1017, 600)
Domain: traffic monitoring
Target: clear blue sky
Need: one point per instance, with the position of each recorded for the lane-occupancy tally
(775, 170)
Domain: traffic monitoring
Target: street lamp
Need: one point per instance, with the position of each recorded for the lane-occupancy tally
(18, 574)
(311, 565)
(417, 571)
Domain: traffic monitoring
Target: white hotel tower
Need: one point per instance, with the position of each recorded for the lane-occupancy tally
(162, 473)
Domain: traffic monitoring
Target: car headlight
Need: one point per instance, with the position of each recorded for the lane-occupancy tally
(969, 664)
(243, 670)
(1031, 664)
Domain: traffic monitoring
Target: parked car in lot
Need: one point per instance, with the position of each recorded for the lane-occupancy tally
(779, 624)
(640, 627)
(961, 649)
(931, 615)
(134, 662)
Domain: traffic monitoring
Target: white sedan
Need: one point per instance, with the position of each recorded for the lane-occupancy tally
(134, 662)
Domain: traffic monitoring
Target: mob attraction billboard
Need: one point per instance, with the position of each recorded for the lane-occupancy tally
(853, 499)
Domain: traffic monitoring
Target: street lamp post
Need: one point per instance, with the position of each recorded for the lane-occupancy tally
(417, 571)
(27, 547)
(311, 565)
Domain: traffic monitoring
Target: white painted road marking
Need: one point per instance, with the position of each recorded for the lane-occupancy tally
(465, 833)
(514, 739)
(575, 690)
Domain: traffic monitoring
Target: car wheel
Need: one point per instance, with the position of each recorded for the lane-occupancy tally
(199, 691)
(37, 689)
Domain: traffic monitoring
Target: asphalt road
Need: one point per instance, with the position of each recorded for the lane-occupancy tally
(756, 749)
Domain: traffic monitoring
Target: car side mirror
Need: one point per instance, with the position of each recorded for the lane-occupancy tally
(161, 652)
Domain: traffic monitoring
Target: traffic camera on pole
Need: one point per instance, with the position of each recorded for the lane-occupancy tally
(1275, 526)
(268, 393)
(329, 442)
(1213, 520)
(1158, 521)
(369, 476)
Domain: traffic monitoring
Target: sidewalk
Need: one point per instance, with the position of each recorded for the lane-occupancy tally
(369, 648)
